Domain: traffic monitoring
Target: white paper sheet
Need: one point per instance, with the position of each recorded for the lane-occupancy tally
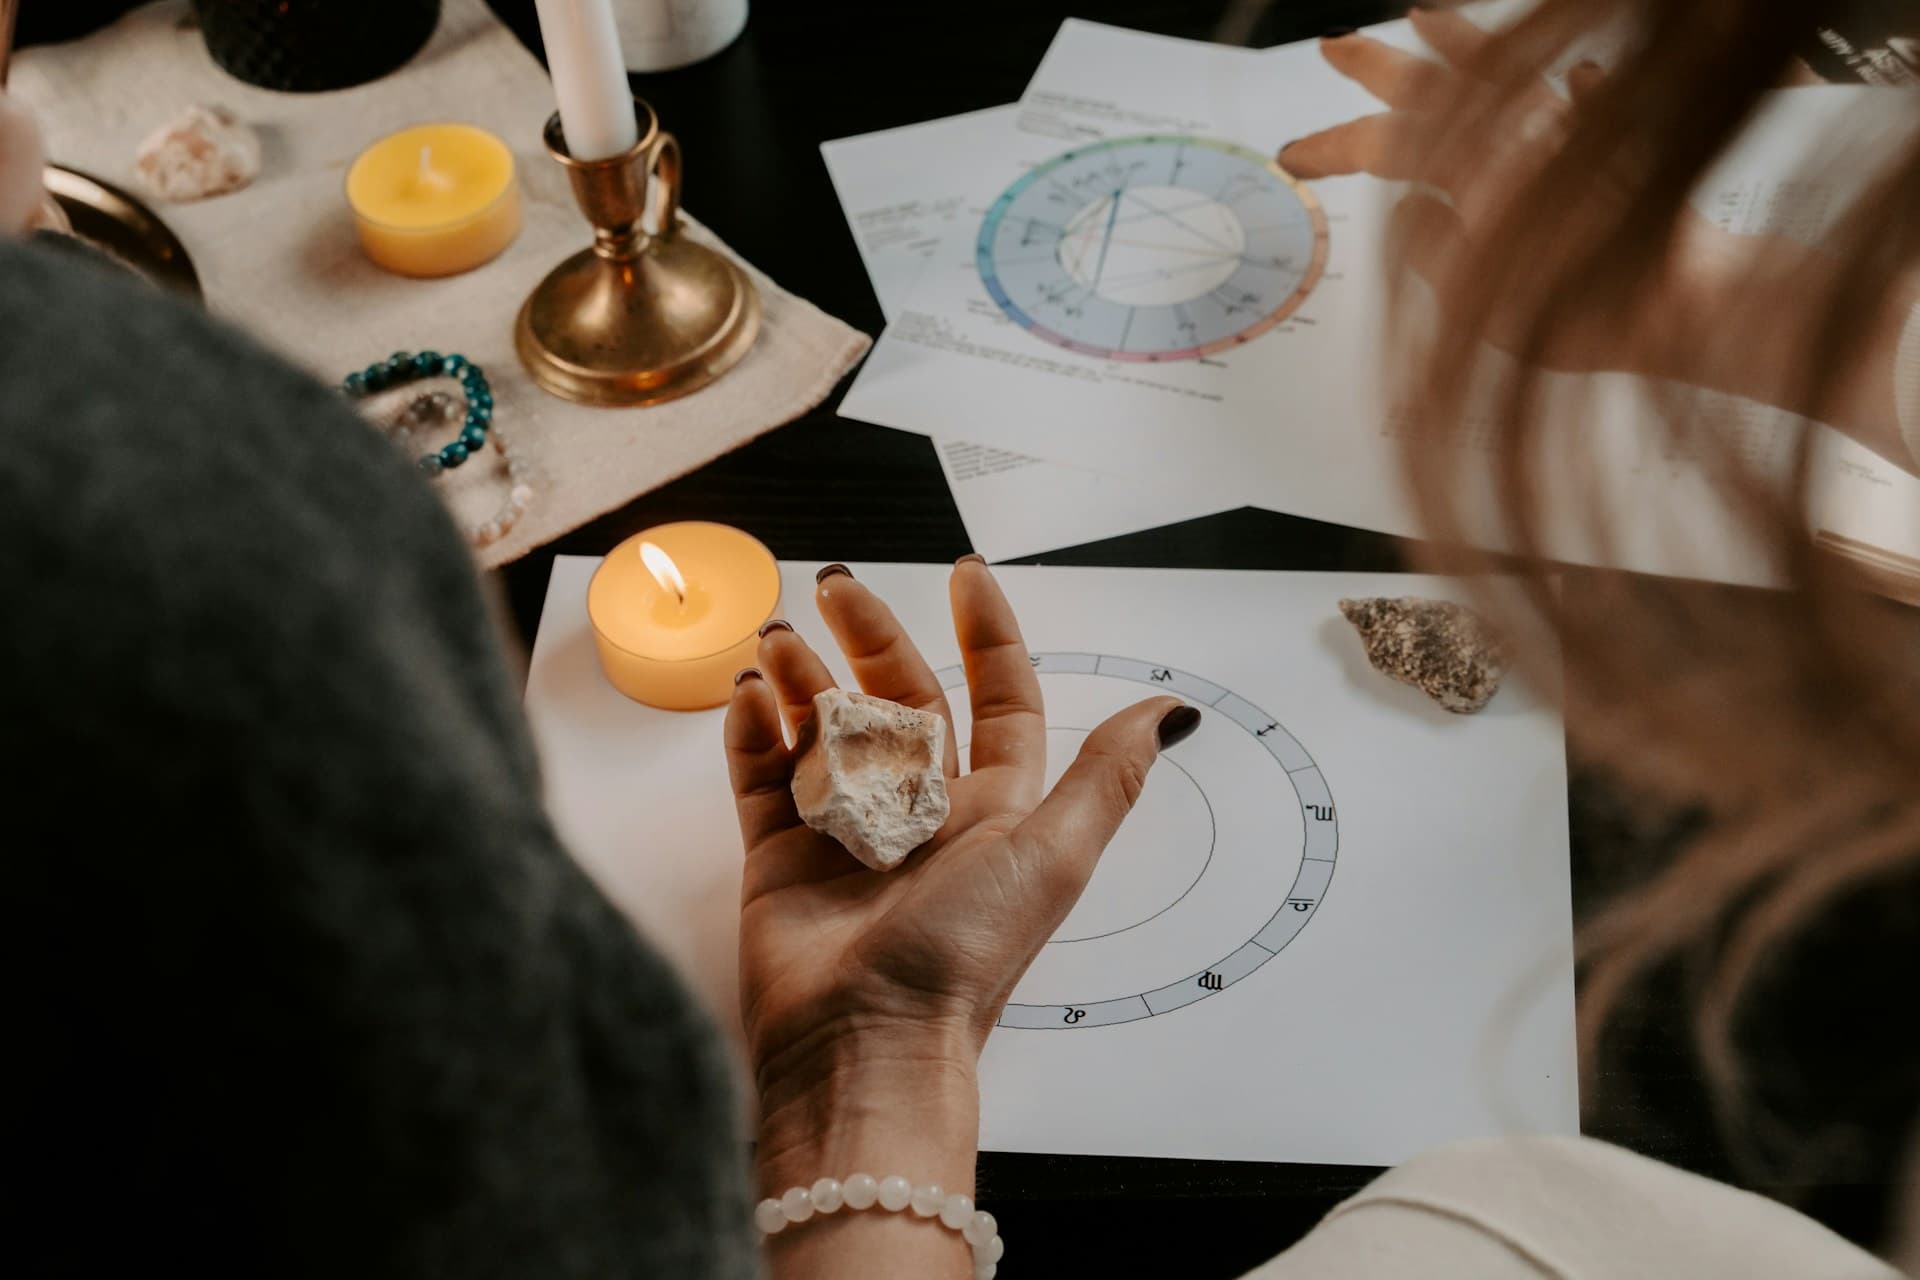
(904, 191)
(1336, 929)
(1295, 419)
(953, 363)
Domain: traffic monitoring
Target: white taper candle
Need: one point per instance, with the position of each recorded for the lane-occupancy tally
(589, 77)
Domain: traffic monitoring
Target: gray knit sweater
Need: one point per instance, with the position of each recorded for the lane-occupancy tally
(298, 980)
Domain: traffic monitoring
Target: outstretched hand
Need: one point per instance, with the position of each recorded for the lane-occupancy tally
(920, 959)
(1516, 123)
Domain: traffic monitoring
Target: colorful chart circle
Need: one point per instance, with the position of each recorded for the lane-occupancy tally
(1153, 248)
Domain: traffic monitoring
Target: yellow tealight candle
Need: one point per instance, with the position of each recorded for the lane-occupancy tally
(677, 610)
(435, 200)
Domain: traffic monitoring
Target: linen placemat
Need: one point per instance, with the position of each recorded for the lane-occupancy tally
(281, 258)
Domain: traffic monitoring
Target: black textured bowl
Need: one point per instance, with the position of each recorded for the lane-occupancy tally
(306, 46)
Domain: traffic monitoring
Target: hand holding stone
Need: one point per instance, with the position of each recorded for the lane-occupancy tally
(841, 963)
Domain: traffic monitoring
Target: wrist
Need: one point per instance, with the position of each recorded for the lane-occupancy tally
(882, 1100)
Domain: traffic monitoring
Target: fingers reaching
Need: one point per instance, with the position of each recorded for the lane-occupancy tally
(1471, 50)
(1063, 839)
(1009, 722)
(1401, 80)
(885, 661)
(1384, 145)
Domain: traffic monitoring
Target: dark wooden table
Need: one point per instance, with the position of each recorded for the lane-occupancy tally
(823, 488)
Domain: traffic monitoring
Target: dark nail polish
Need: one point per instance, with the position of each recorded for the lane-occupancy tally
(1336, 33)
(745, 674)
(775, 624)
(830, 571)
(1178, 725)
(972, 557)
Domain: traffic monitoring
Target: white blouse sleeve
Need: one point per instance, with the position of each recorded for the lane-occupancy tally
(1562, 1209)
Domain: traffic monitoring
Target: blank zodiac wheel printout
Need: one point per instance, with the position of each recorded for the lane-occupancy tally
(1336, 928)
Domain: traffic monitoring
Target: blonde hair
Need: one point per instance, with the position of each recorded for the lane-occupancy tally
(1788, 720)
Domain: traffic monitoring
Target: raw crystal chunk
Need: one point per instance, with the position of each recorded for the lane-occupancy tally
(871, 774)
(1441, 648)
(202, 152)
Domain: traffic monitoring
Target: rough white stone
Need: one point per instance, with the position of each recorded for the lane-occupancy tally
(871, 774)
(202, 152)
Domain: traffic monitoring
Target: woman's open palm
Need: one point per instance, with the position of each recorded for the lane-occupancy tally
(829, 947)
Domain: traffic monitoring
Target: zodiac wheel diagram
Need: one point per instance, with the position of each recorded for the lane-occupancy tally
(1222, 863)
(1153, 248)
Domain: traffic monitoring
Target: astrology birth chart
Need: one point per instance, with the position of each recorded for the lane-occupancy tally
(1155, 248)
(1221, 864)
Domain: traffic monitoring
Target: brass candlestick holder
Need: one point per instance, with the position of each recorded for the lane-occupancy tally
(646, 314)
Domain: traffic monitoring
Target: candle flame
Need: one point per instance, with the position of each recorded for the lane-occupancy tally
(664, 570)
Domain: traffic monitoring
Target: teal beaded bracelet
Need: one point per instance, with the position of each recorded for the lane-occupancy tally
(402, 367)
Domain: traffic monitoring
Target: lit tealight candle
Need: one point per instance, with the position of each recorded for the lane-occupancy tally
(435, 200)
(677, 610)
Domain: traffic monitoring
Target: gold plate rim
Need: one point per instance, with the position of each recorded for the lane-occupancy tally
(122, 224)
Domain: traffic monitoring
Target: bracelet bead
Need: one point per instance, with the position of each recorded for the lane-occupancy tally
(926, 1201)
(403, 367)
(955, 1212)
(861, 1191)
(768, 1217)
(797, 1204)
(895, 1192)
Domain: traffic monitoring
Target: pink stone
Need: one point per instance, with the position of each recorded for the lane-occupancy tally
(204, 151)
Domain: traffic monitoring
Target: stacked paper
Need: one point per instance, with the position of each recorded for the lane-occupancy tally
(1052, 435)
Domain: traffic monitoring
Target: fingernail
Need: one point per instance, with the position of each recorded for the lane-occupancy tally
(745, 674)
(775, 624)
(972, 557)
(830, 571)
(1336, 33)
(1283, 148)
(1178, 725)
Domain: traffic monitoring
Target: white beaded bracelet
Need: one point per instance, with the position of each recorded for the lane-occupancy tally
(864, 1191)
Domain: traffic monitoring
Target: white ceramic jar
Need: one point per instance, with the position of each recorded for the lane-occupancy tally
(659, 35)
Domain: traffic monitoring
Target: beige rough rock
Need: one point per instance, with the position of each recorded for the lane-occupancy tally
(872, 774)
(1438, 647)
(204, 151)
